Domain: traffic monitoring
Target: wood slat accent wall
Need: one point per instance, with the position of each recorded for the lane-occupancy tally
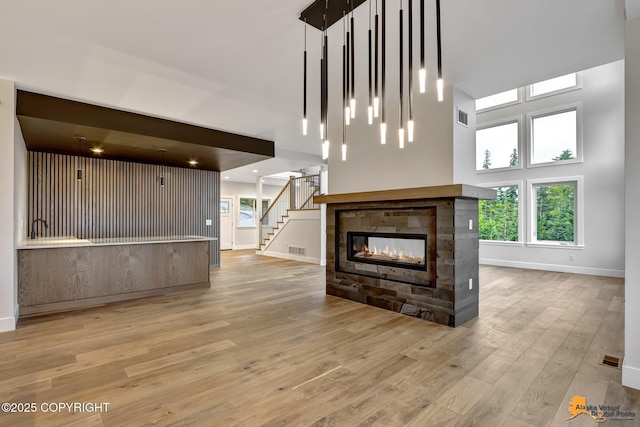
(121, 199)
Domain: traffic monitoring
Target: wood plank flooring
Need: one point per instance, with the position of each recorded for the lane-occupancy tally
(266, 347)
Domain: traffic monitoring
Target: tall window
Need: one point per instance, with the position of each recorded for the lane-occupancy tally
(554, 137)
(554, 211)
(497, 146)
(498, 219)
(248, 212)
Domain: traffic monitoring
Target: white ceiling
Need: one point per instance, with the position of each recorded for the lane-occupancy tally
(237, 66)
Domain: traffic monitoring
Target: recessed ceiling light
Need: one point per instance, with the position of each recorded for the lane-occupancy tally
(263, 180)
(226, 177)
(255, 171)
(193, 162)
(97, 150)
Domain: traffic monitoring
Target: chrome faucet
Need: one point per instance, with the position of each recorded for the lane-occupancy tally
(33, 224)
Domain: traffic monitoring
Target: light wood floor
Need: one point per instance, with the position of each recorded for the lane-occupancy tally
(266, 346)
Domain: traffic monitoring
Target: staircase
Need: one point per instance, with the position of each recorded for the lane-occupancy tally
(296, 195)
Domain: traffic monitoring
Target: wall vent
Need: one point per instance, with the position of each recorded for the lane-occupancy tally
(296, 250)
(463, 118)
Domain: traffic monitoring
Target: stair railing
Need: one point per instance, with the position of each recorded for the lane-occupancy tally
(297, 194)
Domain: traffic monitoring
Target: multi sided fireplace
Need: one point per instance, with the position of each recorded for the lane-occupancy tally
(390, 249)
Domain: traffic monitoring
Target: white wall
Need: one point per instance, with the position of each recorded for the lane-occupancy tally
(372, 166)
(631, 365)
(246, 237)
(602, 98)
(20, 176)
(301, 230)
(8, 279)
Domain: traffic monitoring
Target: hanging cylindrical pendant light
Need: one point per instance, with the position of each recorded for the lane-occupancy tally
(410, 123)
(322, 129)
(376, 99)
(370, 108)
(352, 103)
(383, 124)
(79, 172)
(401, 81)
(440, 83)
(345, 41)
(345, 78)
(325, 70)
(304, 97)
(422, 76)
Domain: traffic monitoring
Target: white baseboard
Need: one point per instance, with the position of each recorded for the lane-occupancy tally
(554, 267)
(8, 324)
(292, 257)
(240, 247)
(630, 376)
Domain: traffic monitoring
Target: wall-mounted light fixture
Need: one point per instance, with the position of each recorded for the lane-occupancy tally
(162, 177)
(79, 172)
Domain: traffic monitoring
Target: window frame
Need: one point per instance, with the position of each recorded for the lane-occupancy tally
(529, 97)
(255, 200)
(521, 214)
(578, 216)
(520, 144)
(520, 100)
(577, 106)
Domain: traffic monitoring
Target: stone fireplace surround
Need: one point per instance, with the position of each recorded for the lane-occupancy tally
(446, 215)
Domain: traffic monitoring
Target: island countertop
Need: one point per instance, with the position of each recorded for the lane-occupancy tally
(71, 241)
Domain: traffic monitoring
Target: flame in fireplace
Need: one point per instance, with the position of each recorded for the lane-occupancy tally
(387, 254)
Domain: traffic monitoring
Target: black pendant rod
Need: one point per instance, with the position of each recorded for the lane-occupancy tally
(344, 84)
(384, 60)
(422, 34)
(322, 81)
(410, 53)
(304, 107)
(353, 62)
(370, 63)
(348, 44)
(439, 39)
(326, 86)
(376, 52)
(401, 78)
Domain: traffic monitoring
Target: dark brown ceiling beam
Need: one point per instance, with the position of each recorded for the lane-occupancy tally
(62, 110)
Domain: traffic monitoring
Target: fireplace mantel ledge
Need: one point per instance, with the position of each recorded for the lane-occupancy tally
(435, 192)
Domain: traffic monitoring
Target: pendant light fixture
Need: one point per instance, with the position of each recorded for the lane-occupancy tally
(401, 81)
(162, 177)
(322, 87)
(370, 108)
(376, 99)
(440, 83)
(422, 76)
(304, 106)
(79, 172)
(410, 123)
(383, 124)
(346, 43)
(345, 78)
(352, 104)
(325, 88)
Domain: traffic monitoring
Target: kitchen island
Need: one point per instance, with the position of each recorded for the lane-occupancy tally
(65, 273)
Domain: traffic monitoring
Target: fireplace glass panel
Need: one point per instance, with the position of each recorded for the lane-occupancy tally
(402, 250)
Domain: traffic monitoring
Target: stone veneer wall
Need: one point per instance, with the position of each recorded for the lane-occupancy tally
(446, 297)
